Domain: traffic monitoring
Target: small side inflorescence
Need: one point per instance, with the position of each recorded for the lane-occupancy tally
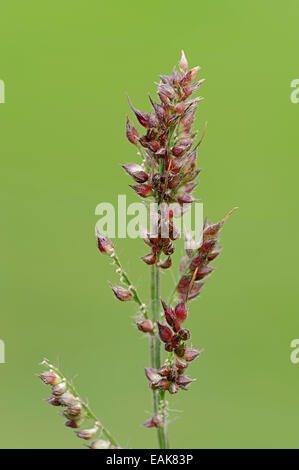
(171, 376)
(194, 267)
(76, 412)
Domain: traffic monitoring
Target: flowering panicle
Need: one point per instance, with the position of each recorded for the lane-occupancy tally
(76, 412)
(166, 176)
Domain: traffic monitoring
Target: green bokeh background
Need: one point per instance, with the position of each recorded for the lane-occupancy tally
(67, 66)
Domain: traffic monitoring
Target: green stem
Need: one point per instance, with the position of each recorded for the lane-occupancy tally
(158, 396)
(159, 403)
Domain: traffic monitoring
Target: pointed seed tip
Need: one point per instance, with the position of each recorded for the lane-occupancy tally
(230, 213)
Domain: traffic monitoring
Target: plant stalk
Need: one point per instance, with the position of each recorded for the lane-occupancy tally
(155, 347)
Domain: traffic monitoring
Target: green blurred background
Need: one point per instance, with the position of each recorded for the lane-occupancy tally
(67, 66)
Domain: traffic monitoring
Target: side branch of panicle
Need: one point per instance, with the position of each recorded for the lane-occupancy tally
(129, 292)
(195, 265)
(76, 412)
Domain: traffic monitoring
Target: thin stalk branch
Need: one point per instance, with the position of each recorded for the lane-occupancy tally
(159, 402)
(158, 396)
(124, 277)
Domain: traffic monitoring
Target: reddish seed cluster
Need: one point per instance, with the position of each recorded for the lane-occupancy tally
(195, 265)
(160, 243)
(171, 377)
(173, 115)
(169, 168)
(173, 335)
